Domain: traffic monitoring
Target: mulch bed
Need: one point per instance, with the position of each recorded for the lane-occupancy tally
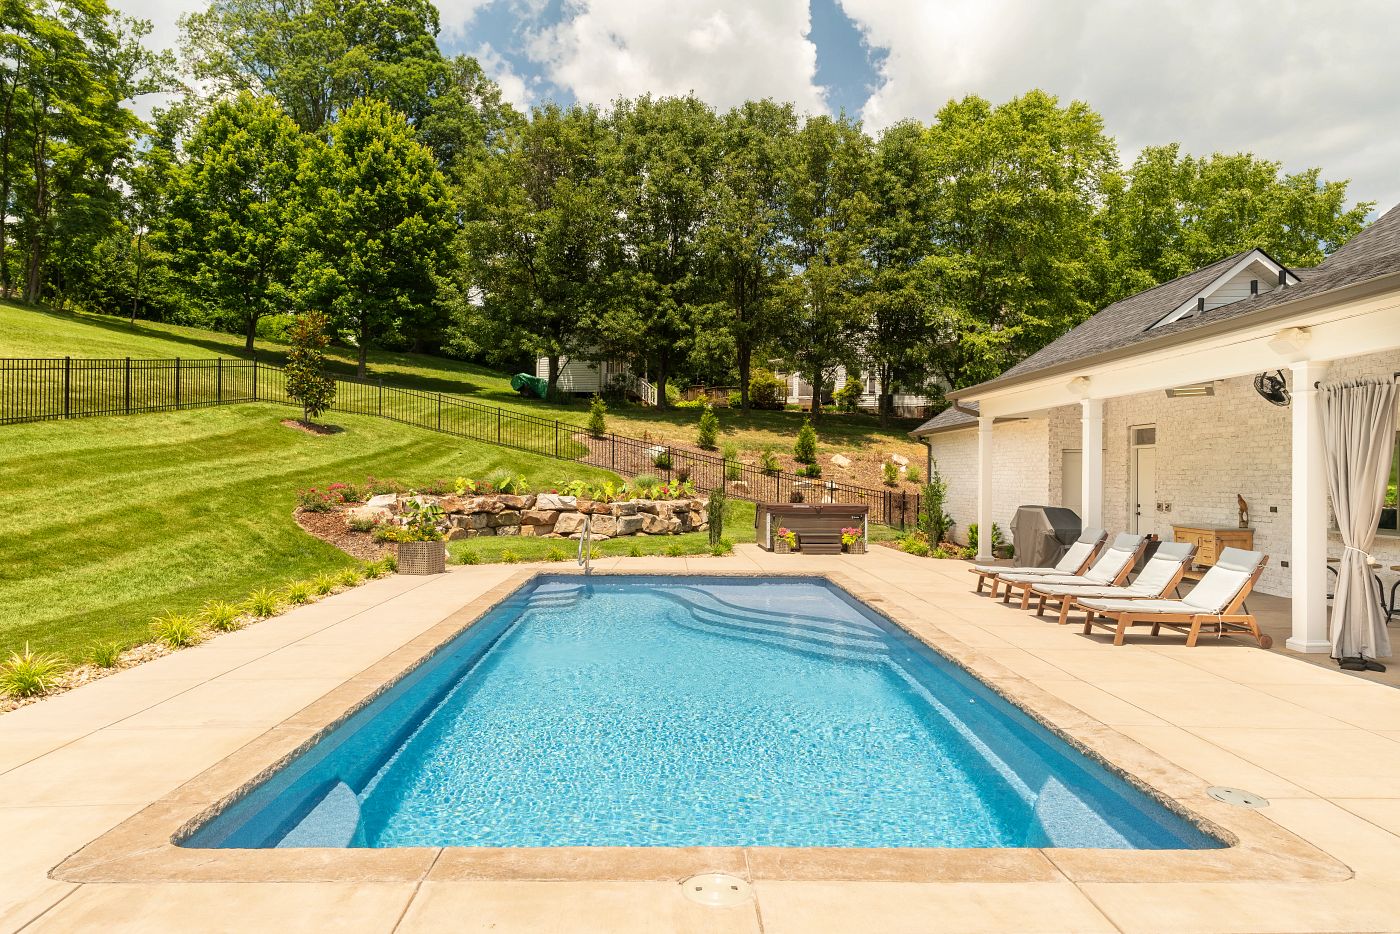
(84, 674)
(331, 527)
(311, 428)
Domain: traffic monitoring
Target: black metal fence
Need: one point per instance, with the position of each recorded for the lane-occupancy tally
(41, 389)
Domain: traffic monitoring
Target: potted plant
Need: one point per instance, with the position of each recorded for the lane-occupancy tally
(422, 546)
(853, 539)
(784, 541)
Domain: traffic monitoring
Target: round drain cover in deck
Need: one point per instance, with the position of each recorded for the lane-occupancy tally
(717, 889)
(1237, 797)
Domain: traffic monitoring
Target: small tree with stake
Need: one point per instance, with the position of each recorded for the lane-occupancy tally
(307, 380)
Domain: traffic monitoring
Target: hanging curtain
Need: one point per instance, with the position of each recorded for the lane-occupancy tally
(1358, 428)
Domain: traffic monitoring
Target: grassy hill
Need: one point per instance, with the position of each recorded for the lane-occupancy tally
(29, 332)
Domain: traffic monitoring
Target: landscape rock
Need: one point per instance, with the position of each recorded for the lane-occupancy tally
(629, 525)
(383, 500)
(555, 501)
(569, 523)
(452, 504)
(625, 508)
(457, 532)
(538, 517)
(486, 531)
(658, 525)
(484, 504)
(508, 530)
(840, 460)
(370, 513)
(604, 526)
(899, 459)
(504, 518)
(510, 501)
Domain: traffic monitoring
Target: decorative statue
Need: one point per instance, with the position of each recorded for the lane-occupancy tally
(1244, 511)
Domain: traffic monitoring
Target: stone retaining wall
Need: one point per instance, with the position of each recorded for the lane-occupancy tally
(550, 515)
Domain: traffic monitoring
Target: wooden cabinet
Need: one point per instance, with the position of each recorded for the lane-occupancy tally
(1209, 541)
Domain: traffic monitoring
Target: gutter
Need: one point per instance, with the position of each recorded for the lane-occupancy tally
(1356, 291)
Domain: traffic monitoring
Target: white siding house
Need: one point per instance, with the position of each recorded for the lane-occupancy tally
(1146, 416)
(799, 392)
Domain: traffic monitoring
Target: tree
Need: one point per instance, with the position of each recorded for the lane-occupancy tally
(597, 417)
(308, 382)
(661, 173)
(234, 218)
(826, 211)
(743, 236)
(804, 450)
(707, 438)
(1013, 196)
(378, 221)
(539, 217)
(1177, 213)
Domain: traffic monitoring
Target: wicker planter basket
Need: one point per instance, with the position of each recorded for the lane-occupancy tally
(856, 548)
(781, 547)
(422, 557)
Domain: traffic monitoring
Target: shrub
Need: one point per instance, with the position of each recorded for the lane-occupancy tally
(503, 481)
(674, 550)
(736, 400)
(634, 551)
(509, 557)
(768, 462)
(372, 570)
(848, 396)
(914, 545)
(852, 535)
(683, 474)
(645, 484)
(889, 471)
(469, 557)
(714, 514)
(810, 470)
(556, 554)
(350, 577)
(323, 584)
(766, 391)
(912, 474)
(175, 630)
(297, 593)
(708, 435)
(421, 521)
(107, 654)
(361, 524)
(390, 563)
(597, 417)
(220, 615)
(805, 450)
(934, 521)
(263, 603)
(662, 460)
(307, 380)
(721, 548)
(30, 673)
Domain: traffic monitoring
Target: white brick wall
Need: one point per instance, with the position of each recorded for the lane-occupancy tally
(1209, 449)
(1019, 451)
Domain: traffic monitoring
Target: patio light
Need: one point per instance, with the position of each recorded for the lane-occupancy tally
(1200, 389)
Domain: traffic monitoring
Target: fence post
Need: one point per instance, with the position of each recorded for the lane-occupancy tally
(439, 414)
(177, 382)
(67, 384)
(255, 379)
(556, 439)
(381, 396)
(127, 391)
(614, 452)
(219, 392)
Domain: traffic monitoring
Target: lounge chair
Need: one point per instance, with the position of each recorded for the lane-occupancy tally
(1161, 575)
(1075, 561)
(1110, 569)
(1213, 604)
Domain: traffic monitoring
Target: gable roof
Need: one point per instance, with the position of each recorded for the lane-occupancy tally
(1372, 253)
(949, 419)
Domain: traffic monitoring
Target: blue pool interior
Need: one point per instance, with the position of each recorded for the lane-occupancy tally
(692, 711)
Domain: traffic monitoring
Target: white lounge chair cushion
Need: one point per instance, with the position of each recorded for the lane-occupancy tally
(1156, 575)
(1216, 591)
(1072, 560)
(1140, 606)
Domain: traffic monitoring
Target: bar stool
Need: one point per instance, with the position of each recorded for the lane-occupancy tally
(1375, 566)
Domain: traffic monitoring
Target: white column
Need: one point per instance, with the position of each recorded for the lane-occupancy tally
(1091, 429)
(984, 488)
(1308, 550)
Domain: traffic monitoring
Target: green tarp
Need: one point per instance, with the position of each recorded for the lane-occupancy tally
(529, 386)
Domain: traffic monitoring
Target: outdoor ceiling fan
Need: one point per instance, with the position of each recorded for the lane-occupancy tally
(1273, 388)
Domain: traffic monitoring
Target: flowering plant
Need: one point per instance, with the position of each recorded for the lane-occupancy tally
(789, 536)
(849, 536)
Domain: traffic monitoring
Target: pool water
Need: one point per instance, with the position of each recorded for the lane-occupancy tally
(692, 711)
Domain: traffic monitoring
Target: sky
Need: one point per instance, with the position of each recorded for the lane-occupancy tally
(1303, 83)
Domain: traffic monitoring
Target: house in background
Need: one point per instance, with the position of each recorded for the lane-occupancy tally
(906, 405)
(580, 376)
(1147, 416)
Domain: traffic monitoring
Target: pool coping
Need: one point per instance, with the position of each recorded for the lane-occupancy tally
(143, 848)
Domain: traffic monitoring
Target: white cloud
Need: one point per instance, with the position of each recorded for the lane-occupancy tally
(515, 89)
(724, 51)
(455, 15)
(1301, 83)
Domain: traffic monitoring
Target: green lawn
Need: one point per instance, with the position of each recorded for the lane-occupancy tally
(29, 332)
(110, 521)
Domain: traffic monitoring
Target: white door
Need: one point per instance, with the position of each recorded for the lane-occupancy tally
(1145, 490)
(1072, 481)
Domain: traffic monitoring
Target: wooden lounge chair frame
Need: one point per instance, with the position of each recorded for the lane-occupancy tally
(1025, 587)
(1229, 621)
(1067, 602)
(983, 575)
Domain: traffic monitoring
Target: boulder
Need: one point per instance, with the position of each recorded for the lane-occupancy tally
(531, 531)
(508, 530)
(625, 508)
(655, 451)
(555, 501)
(840, 460)
(383, 500)
(370, 513)
(658, 525)
(484, 504)
(538, 517)
(510, 501)
(486, 531)
(457, 532)
(648, 506)
(505, 518)
(568, 523)
(683, 521)
(475, 520)
(899, 459)
(604, 526)
(629, 525)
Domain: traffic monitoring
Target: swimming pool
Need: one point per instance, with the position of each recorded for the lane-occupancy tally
(692, 711)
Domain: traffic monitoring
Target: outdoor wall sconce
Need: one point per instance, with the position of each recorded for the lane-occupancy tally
(1200, 389)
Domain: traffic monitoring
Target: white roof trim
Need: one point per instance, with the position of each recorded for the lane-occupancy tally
(1188, 307)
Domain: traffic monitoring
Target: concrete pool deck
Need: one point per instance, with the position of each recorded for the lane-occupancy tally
(1323, 748)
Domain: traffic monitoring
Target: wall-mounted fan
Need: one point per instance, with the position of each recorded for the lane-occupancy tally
(1273, 387)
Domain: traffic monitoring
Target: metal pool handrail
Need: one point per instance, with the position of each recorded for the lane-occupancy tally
(585, 545)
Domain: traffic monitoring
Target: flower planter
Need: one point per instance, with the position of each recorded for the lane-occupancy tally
(781, 547)
(422, 557)
(856, 548)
